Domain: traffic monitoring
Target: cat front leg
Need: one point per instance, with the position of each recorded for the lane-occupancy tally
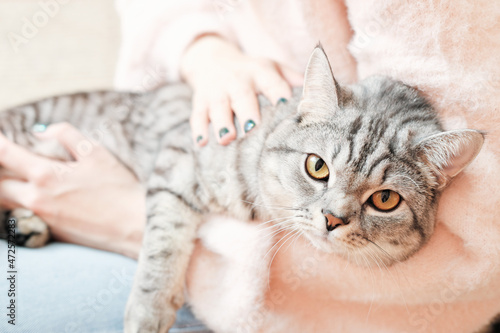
(158, 288)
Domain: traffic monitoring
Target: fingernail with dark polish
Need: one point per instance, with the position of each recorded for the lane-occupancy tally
(199, 138)
(249, 125)
(39, 128)
(282, 100)
(223, 132)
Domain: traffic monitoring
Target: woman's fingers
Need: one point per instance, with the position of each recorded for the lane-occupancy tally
(243, 102)
(71, 139)
(231, 85)
(16, 193)
(221, 116)
(199, 121)
(20, 161)
(246, 107)
(295, 79)
(272, 85)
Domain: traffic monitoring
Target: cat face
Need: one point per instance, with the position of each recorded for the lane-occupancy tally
(360, 169)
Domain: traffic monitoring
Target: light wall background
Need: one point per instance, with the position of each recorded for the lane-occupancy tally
(72, 47)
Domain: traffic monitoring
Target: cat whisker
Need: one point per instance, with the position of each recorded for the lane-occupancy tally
(348, 258)
(274, 225)
(356, 259)
(274, 232)
(397, 270)
(273, 206)
(374, 257)
(381, 249)
(281, 225)
(267, 253)
(373, 285)
(277, 243)
(276, 219)
(387, 254)
(388, 271)
(293, 232)
(409, 178)
(305, 224)
(300, 233)
(306, 228)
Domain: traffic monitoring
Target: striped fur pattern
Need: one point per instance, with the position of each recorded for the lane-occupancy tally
(377, 135)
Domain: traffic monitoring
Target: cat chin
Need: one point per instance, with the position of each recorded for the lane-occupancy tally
(322, 245)
(363, 256)
(325, 244)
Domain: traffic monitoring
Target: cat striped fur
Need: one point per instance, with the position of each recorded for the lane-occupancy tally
(332, 156)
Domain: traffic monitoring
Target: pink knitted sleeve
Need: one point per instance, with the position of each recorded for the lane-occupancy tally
(155, 34)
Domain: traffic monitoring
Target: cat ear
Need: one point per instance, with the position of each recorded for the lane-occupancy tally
(448, 153)
(321, 91)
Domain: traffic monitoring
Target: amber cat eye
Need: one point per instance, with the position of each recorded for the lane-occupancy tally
(385, 200)
(316, 167)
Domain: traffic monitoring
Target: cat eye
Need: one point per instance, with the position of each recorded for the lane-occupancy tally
(385, 200)
(316, 167)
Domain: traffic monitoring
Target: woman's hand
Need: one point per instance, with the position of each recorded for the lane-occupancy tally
(224, 81)
(93, 201)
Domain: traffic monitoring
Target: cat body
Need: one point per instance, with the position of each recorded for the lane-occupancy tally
(150, 134)
(354, 169)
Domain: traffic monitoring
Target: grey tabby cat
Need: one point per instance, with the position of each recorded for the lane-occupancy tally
(361, 166)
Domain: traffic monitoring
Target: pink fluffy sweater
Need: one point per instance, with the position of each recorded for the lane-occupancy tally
(450, 50)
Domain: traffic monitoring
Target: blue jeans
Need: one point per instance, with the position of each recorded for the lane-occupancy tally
(68, 288)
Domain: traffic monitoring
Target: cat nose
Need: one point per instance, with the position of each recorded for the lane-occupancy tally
(333, 221)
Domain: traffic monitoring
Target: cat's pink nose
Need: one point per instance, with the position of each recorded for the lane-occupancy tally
(333, 222)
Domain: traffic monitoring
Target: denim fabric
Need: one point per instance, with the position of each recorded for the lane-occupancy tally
(68, 288)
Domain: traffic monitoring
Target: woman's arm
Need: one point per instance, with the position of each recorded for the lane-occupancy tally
(155, 34)
(165, 41)
(93, 201)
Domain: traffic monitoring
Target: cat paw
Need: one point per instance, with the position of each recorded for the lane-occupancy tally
(31, 231)
(141, 318)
